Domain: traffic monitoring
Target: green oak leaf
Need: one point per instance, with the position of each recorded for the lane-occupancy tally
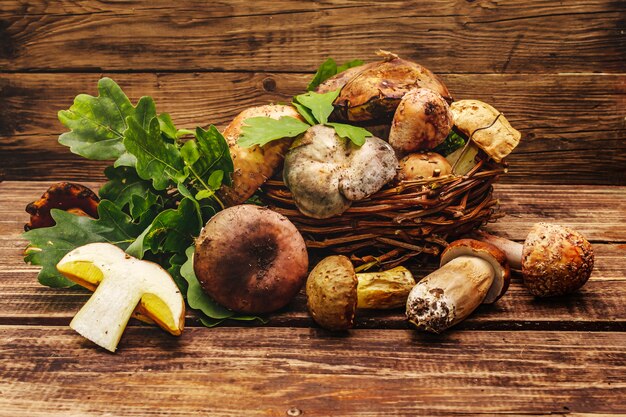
(356, 134)
(123, 184)
(328, 69)
(321, 105)
(157, 160)
(261, 130)
(172, 230)
(168, 128)
(214, 155)
(48, 245)
(97, 124)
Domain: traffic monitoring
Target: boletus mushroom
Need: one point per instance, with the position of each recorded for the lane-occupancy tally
(421, 122)
(335, 291)
(554, 259)
(471, 273)
(423, 165)
(122, 284)
(253, 165)
(372, 92)
(326, 173)
(250, 259)
(71, 197)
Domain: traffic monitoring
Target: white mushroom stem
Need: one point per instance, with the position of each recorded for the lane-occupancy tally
(450, 294)
(512, 250)
(384, 290)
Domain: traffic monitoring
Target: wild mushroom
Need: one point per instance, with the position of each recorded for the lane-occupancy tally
(254, 165)
(554, 260)
(471, 273)
(373, 92)
(423, 165)
(250, 259)
(486, 127)
(325, 172)
(421, 121)
(67, 196)
(334, 291)
(123, 284)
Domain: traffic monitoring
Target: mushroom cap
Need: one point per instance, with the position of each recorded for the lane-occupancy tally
(254, 165)
(250, 259)
(331, 291)
(488, 252)
(75, 198)
(422, 165)
(421, 121)
(486, 126)
(556, 260)
(325, 172)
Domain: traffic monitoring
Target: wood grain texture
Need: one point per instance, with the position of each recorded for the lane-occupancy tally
(573, 125)
(482, 36)
(599, 305)
(268, 371)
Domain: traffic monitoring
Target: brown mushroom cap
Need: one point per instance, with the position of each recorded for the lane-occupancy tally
(488, 252)
(423, 165)
(66, 196)
(250, 259)
(555, 260)
(331, 291)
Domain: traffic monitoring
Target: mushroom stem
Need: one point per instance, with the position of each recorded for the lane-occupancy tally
(511, 249)
(385, 289)
(450, 294)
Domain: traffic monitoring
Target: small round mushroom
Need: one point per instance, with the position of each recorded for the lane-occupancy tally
(554, 260)
(421, 121)
(423, 165)
(471, 273)
(325, 172)
(250, 259)
(335, 291)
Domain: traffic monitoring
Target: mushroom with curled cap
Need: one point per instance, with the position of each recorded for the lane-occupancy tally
(471, 273)
(71, 197)
(335, 291)
(250, 259)
(326, 173)
(554, 260)
(486, 127)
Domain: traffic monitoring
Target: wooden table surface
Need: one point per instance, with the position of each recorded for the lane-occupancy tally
(556, 69)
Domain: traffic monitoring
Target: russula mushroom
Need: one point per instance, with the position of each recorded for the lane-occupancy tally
(554, 260)
(123, 283)
(67, 196)
(334, 291)
(421, 121)
(253, 165)
(471, 273)
(423, 165)
(250, 259)
(486, 127)
(325, 172)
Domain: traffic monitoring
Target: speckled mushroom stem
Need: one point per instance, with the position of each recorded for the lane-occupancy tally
(512, 250)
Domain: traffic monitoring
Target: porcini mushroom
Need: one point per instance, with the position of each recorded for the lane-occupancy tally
(486, 127)
(250, 259)
(471, 273)
(421, 121)
(423, 165)
(253, 165)
(71, 197)
(554, 260)
(325, 172)
(335, 291)
(123, 283)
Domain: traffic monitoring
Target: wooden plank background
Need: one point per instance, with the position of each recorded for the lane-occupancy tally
(556, 69)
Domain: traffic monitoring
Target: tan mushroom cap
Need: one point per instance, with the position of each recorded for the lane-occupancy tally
(488, 252)
(555, 260)
(331, 291)
(422, 165)
(486, 126)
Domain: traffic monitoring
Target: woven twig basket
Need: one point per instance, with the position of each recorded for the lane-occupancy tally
(400, 221)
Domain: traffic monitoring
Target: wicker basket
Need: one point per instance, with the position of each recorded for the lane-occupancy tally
(400, 221)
